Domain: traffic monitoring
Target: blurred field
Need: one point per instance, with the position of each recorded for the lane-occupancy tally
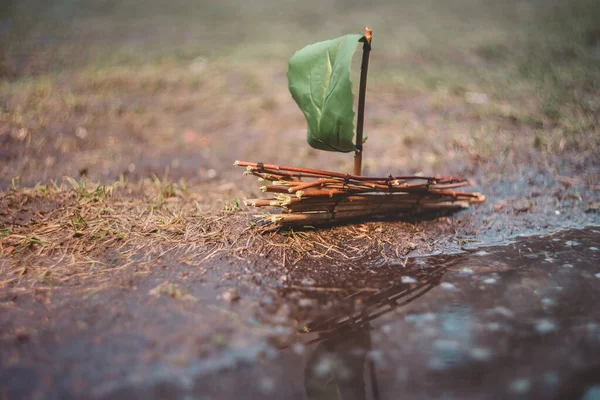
(105, 88)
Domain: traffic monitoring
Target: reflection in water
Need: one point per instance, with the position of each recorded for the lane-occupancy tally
(336, 368)
(340, 366)
(518, 321)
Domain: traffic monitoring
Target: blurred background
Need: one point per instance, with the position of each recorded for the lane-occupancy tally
(106, 88)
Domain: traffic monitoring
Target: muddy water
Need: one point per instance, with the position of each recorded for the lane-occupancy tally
(519, 321)
(514, 321)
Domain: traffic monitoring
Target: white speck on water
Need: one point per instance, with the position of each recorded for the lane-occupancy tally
(298, 348)
(267, 384)
(499, 310)
(480, 353)
(489, 281)
(408, 279)
(376, 356)
(557, 212)
(551, 378)
(466, 271)
(482, 253)
(597, 275)
(447, 286)
(567, 265)
(592, 393)
(547, 301)
(446, 345)
(323, 367)
(420, 318)
(305, 303)
(593, 249)
(544, 326)
(308, 281)
(493, 326)
(520, 386)
(281, 330)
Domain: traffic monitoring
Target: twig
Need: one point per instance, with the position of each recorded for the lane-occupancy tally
(327, 197)
(364, 67)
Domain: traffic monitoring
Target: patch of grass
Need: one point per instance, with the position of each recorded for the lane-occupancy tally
(4, 232)
(78, 224)
(46, 277)
(231, 207)
(121, 232)
(28, 242)
(96, 194)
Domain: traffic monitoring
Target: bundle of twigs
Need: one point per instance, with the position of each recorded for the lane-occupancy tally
(309, 196)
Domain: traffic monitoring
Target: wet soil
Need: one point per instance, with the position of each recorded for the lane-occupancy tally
(518, 320)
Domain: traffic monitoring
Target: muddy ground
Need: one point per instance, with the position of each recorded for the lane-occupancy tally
(129, 265)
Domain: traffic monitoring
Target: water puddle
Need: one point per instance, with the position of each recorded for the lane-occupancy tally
(520, 321)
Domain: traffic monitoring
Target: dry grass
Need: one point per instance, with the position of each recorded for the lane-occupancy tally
(93, 230)
(81, 234)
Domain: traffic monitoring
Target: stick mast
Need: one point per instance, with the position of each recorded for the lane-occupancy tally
(361, 102)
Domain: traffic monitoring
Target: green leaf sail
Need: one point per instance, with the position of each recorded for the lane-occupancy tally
(319, 81)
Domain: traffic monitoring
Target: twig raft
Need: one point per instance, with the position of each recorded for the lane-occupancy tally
(309, 196)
